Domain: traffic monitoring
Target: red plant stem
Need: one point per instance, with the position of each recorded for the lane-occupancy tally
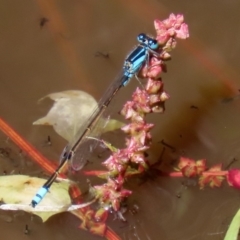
(27, 147)
(219, 173)
(170, 174)
(207, 173)
(111, 235)
(94, 173)
(174, 174)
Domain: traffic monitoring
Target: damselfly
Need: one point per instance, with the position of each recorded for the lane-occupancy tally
(132, 64)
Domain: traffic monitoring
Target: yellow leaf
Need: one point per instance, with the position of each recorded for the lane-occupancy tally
(20, 189)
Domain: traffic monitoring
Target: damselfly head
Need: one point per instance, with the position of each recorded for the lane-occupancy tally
(148, 41)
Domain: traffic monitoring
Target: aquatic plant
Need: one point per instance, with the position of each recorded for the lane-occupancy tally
(124, 163)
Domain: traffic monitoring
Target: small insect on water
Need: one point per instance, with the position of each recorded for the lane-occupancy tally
(48, 141)
(101, 54)
(194, 107)
(168, 145)
(43, 21)
(26, 231)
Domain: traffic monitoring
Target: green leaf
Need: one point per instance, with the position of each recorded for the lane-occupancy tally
(232, 232)
(110, 146)
(113, 124)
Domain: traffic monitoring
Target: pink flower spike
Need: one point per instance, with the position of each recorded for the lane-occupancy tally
(133, 159)
(233, 178)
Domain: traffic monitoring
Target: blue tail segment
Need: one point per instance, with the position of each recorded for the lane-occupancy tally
(132, 65)
(39, 196)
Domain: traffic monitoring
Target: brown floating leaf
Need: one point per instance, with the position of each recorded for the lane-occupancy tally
(70, 111)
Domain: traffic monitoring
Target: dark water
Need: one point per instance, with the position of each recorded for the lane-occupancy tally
(50, 46)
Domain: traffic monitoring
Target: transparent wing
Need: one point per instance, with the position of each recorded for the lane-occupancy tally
(79, 149)
(83, 152)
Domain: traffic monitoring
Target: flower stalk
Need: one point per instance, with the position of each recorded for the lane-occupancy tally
(124, 163)
(213, 176)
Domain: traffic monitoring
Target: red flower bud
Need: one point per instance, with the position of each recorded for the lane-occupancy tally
(233, 178)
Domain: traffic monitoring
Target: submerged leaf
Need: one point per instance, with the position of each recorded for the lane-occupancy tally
(70, 111)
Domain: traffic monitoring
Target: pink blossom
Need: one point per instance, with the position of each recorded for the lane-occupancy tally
(117, 161)
(135, 146)
(233, 178)
(136, 127)
(113, 165)
(112, 193)
(153, 86)
(141, 100)
(154, 69)
(139, 159)
(127, 110)
(171, 27)
(131, 110)
(182, 33)
(140, 96)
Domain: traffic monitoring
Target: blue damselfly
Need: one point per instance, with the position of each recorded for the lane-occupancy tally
(132, 64)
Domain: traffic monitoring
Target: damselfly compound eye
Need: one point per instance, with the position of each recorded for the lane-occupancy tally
(141, 38)
(153, 44)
